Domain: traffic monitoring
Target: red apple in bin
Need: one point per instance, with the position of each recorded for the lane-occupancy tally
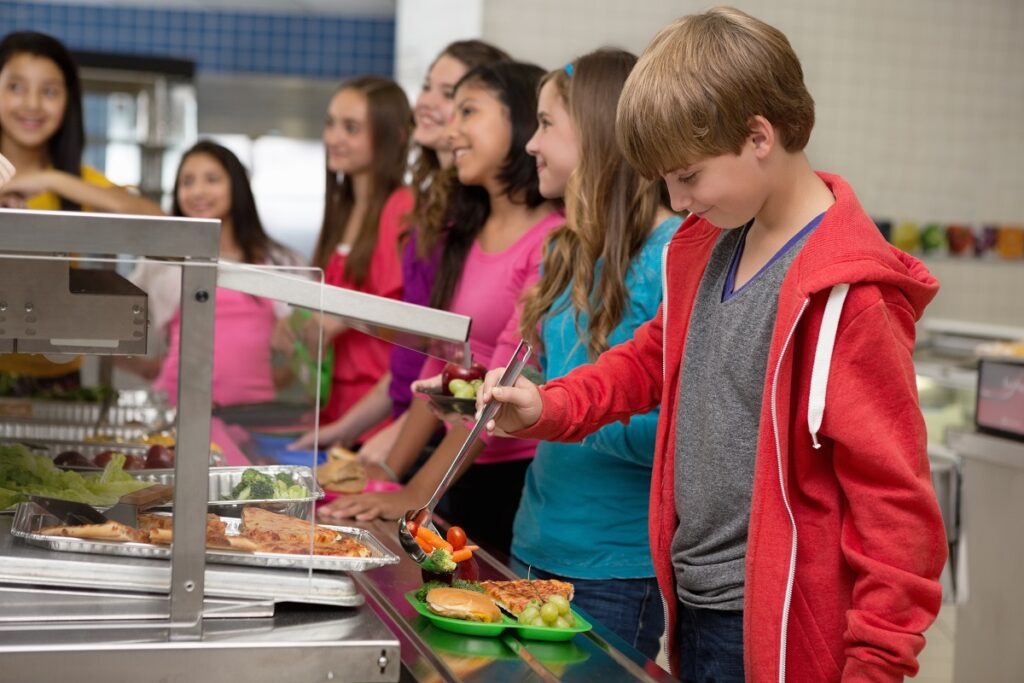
(72, 459)
(159, 457)
(457, 371)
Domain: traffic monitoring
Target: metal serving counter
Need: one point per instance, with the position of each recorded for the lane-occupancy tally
(430, 654)
(117, 635)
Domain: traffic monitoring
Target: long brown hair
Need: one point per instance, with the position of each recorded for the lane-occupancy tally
(609, 207)
(390, 123)
(431, 184)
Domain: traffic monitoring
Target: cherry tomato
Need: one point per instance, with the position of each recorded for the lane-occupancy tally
(457, 537)
(411, 526)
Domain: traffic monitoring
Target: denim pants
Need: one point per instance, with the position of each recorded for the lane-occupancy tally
(710, 645)
(631, 608)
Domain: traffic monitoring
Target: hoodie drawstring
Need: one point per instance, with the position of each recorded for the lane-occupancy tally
(823, 359)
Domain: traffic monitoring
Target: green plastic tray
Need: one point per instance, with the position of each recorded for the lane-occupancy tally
(476, 628)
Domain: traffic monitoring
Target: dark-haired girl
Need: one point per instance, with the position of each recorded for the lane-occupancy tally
(497, 221)
(212, 183)
(42, 136)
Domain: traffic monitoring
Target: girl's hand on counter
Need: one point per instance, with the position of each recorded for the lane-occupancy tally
(367, 506)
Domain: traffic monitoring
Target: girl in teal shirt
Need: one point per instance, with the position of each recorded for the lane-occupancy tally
(583, 514)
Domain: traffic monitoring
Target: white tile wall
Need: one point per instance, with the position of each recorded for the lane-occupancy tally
(920, 103)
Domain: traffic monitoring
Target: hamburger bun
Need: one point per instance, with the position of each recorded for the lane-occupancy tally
(458, 603)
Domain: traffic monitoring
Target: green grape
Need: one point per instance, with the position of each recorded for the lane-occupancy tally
(561, 603)
(457, 385)
(561, 622)
(549, 613)
(465, 392)
(528, 615)
(539, 621)
(571, 619)
(523, 619)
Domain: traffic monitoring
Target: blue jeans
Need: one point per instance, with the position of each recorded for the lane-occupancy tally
(630, 608)
(711, 645)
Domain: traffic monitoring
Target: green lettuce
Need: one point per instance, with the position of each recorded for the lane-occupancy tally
(23, 473)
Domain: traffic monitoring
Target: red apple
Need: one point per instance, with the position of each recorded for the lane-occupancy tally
(102, 458)
(159, 457)
(134, 462)
(457, 371)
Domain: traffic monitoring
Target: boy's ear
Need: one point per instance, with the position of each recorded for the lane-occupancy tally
(762, 135)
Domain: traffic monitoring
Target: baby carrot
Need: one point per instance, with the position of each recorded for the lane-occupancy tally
(462, 554)
(427, 548)
(432, 538)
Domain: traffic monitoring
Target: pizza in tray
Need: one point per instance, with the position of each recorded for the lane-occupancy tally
(108, 531)
(264, 526)
(513, 596)
(161, 529)
(346, 547)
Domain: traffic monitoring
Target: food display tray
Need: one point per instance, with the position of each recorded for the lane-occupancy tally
(224, 479)
(29, 518)
(27, 565)
(476, 628)
(67, 432)
(133, 408)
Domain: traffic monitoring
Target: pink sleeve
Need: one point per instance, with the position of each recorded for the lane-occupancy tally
(527, 275)
(386, 269)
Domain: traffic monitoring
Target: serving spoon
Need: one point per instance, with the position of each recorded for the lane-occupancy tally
(424, 515)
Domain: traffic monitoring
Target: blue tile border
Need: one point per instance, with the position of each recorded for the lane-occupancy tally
(218, 41)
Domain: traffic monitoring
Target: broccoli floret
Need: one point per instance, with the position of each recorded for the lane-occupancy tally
(250, 475)
(284, 478)
(240, 492)
(440, 562)
(261, 489)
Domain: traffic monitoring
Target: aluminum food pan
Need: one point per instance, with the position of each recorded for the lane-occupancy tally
(27, 565)
(28, 519)
(139, 408)
(224, 479)
(55, 431)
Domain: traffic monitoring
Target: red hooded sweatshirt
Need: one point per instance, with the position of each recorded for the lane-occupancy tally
(845, 542)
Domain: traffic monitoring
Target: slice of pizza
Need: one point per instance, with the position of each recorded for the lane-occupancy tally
(108, 531)
(514, 596)
(264, 526)
(162, 532)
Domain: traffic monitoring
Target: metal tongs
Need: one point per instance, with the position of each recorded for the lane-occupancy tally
(126, 510)
(424, 515)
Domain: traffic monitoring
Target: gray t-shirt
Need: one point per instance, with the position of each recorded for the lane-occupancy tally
(718, 419)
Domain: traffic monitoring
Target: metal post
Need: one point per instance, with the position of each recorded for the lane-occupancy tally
(192, 460)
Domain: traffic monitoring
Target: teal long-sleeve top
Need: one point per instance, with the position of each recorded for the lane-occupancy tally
(583, 513)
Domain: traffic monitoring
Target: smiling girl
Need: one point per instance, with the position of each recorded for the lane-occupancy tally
(42, 137)
(367, 132)
(497, 221)
(601, 280)
(212, 183)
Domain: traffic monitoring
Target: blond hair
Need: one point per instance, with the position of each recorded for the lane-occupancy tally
(698, 85)
(609, 209)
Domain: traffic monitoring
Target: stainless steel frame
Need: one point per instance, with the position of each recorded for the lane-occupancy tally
(104, 655)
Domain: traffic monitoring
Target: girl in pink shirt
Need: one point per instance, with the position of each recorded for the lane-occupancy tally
(497, 225)
(212, 183)
(367, 132)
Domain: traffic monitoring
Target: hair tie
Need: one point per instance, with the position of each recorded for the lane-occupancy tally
(568, 69)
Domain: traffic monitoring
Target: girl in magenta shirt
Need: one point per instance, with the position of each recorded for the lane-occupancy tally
(211, 183)
(497, 224)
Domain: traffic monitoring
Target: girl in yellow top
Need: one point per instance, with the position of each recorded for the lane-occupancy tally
(42, 136)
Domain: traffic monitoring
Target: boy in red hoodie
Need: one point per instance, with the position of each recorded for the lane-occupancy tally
(791, 541)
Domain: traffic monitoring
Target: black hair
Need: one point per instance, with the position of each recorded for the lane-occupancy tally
(245, 219)
(515, 86)
(65, 146)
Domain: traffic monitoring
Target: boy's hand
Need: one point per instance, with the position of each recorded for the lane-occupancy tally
(522, 403)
